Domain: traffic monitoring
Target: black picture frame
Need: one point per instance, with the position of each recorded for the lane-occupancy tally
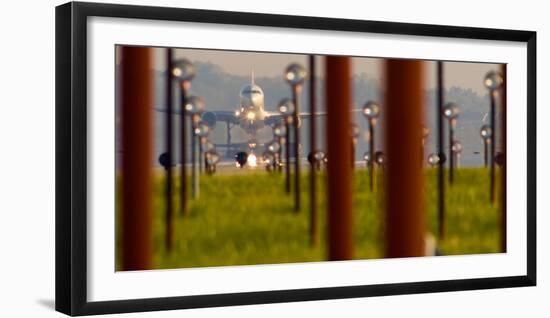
(71, 157)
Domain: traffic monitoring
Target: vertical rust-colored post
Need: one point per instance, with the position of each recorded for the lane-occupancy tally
(313, 231)
(338, 103)
(404, 185)
(169, 238)
(504, 167)
(137, 145)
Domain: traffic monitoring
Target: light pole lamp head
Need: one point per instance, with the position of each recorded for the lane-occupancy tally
(451, 111)
(380, 158)
(194, 105)
(456, 147)
(212, 157)
(366, 157)
(286, 107)
(493, 80)
(371, 110)
(279, 130)
(316, 157)
(268, 158)
(164, 160)
(202, 129)
(319, 156)
(274, 146)
(252, 143)
(433, 159)
(486, 132)
(295, 74)
(183, 70)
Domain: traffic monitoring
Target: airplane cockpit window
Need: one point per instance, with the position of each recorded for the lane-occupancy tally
(252, 96)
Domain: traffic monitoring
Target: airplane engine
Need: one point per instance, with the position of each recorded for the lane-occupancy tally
(210, 119)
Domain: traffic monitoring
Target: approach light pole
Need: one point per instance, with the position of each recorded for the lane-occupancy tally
(355, 132)
(486, 134)
(457, 150)
(274, 147)
(380, 159)
(295, 75)
(318, 158)
(279, 132)
(451, 111)
(493, 81)
(207, 147)
(315, 158)
(371, 111)
(425, 134)
(268, 159)
(366, 157)
(183, 71)
(195, 107)
(212, 159)
(313, 215)
(167, 156)
(286, 108)
(202, 131)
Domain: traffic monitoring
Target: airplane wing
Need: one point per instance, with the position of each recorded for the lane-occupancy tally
(211, 117)
(235, 145)
(275, 117)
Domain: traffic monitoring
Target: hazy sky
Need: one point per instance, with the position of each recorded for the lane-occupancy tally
(462, 74)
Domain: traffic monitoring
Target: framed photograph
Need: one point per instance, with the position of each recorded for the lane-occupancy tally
(209, 158)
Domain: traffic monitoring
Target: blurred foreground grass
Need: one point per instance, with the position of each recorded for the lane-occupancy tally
(243, 219)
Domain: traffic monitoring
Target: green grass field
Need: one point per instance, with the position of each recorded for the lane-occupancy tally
(243, 219)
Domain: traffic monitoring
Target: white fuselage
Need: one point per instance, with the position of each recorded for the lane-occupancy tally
(251, 113)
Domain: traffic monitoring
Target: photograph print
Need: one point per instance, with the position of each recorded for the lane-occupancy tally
(239, 158)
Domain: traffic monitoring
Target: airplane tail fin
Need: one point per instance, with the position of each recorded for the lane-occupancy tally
(252, 77)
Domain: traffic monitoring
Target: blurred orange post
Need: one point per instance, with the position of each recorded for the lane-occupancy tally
(504, 167)
(405, 224)
(338, 104)
(137, 145)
